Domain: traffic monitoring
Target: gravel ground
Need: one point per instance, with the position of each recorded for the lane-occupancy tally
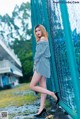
(28, 111)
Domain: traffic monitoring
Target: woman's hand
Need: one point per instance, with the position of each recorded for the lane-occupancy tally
(34, 67)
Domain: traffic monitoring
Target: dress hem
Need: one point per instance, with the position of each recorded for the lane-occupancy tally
(41, 74)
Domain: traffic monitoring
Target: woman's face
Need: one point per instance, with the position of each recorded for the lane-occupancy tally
(38, 32)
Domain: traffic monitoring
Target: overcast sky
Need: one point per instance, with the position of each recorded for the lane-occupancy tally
(7, 6)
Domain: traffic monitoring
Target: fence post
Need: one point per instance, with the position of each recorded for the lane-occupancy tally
(71, 54)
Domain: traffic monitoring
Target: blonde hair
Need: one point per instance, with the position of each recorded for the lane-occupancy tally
(43, 30)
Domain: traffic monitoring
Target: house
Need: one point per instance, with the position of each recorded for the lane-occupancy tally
(10, 66)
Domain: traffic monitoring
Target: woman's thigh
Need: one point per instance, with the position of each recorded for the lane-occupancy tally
(43, 82)
(35, 79)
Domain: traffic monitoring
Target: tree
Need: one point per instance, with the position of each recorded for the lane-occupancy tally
(16, 31)
(24, 51)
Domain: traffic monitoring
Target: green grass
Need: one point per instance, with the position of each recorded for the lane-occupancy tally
(11, 98)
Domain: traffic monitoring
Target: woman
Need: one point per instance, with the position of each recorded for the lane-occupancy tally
(41, 67)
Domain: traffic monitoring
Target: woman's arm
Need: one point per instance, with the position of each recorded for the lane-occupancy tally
(40, 50)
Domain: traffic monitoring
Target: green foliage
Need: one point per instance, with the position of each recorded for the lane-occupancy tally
(17, 25)
(24, 51)
(18, 36)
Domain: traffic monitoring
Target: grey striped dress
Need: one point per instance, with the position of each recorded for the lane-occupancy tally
(42, 58)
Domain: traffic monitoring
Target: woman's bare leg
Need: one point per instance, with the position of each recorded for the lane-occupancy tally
(33, 85)
(43, 96)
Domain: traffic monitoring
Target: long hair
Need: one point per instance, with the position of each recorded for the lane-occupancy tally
(43, 31)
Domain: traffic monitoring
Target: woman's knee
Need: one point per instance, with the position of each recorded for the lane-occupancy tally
(31, 86)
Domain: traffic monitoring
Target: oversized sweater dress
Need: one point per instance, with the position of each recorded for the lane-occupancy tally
(42, 58)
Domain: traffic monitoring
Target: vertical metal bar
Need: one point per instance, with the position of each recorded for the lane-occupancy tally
(51, 47)
(33, 22)
(36, 11)
(70, 111)
(71, 54)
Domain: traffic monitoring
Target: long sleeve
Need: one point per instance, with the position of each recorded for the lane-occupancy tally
(42, 59)
(41, 49)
